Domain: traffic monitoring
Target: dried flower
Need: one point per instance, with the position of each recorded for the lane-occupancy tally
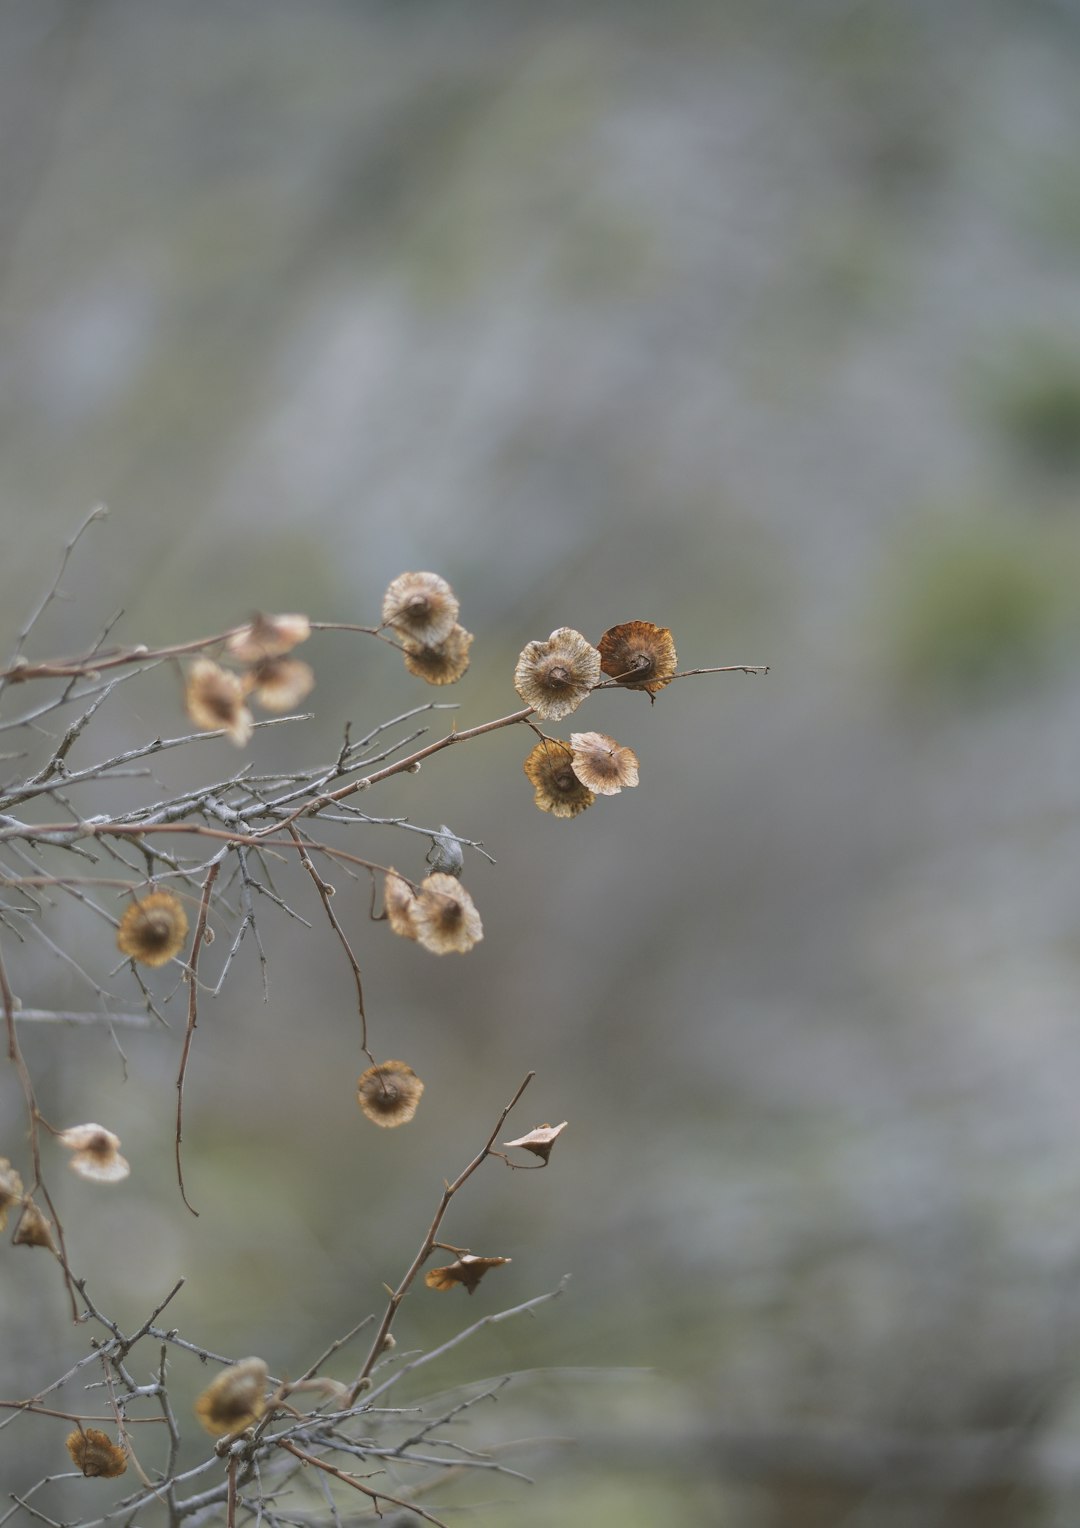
(539, 1140)
(467, 1270)
(215, 700)
(96, 1454)
(441, 662)
(268, 636)
(555, 676)
(639, 655)
(602, 764)
(400, 903)
(235, 1399)
(153, 931)
(278, 684)
(97, 1153)
(556, 788)
(389, 1094)
(11, 1189)
(33, 1229)
(445, 917)
(420, 606)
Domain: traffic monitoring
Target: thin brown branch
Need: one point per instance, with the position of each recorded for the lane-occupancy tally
(426, 1246)
(351, 1480)
(326, 891)
(193, 1018)
(22, 1071)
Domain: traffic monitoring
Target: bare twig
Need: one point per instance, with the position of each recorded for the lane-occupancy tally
(193, 1009)
(398, 1294)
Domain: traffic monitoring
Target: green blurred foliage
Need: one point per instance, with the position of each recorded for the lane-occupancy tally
(1030, 395)
(979, 601)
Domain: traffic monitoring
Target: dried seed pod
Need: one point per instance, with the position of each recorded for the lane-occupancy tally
(420, 606)
(96, 1153)
(268, 636)
(96, 1454)
(441, 662)
(467, 1271)
(446, 919)
(278, 684)
(235, 1399)
(555, 676)
(639, 655)
(33, 1229)
(556, 788)
(11, 1189)
(214, 698)
(388, 1094)
(602, 764)
(153, 931)
(399, 901)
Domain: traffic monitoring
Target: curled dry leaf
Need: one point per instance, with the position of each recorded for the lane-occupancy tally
(389, 1094)
(467, 1271)
(235, 1399)
(95, 1454)
(602, 764)
(539, 1140)
(96, 1153)
(153, 931)
(214, 698)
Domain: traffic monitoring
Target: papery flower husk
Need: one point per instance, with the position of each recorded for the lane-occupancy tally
(11, 1189)
(153, 930)
(420, 606)
(96, 1153)
(399, 901)
(445, 917)
(556, 788)
(214, 698)
(389, 1093)
(95, 1454)
(440, 663)
(555, 676)
(279, 684)
(638, 655)
(235, 1399)
(268, 636)
(33, 1229)
(602, 764)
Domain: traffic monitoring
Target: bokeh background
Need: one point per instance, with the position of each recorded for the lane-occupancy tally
(756, 318)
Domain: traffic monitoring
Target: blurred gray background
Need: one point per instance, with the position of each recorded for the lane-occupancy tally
(759, 319)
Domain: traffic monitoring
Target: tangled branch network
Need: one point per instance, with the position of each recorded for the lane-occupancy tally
(161, 872)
